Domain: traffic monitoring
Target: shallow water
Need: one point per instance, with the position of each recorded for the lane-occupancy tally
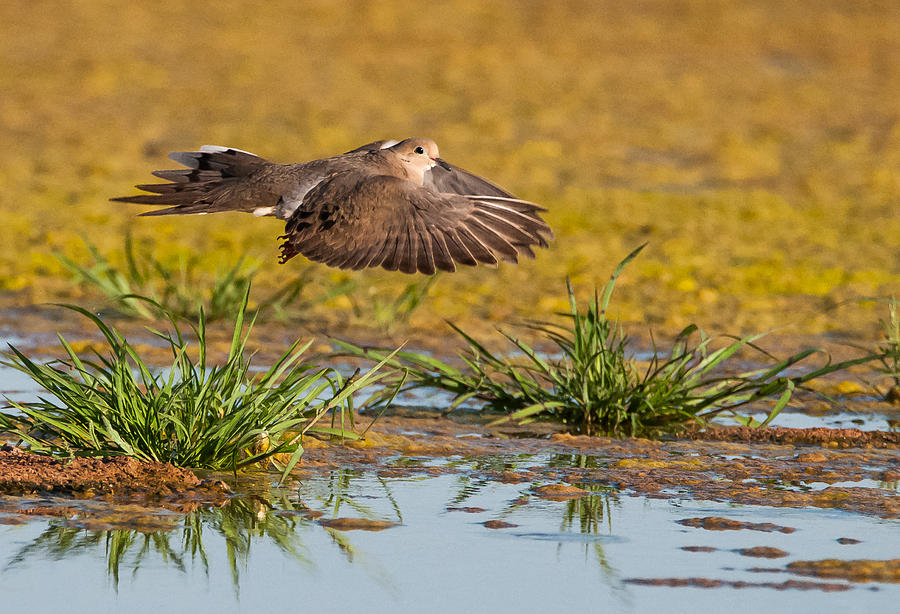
(862, 420)
(864, 413)
(14, 384)
(266, 548)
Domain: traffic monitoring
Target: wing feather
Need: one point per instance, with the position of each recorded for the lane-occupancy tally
(458, 249)
(357, 219)
(459, 181)
(479, 250)
(443, 261)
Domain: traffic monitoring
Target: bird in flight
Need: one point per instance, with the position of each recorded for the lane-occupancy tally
(393, 204)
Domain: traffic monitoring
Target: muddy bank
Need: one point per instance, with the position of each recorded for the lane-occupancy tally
(23, 473)
(796, 468)
(833, 438)
(843, 469)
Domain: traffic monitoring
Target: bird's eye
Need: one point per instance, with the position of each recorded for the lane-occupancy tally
(419, 150)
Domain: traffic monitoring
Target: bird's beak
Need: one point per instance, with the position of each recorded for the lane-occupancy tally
(442, 164)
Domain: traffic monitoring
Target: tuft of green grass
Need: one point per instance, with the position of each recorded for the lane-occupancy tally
(179, 290)
(386, 314)
(889, 349)
(592, 383)
(192, 413)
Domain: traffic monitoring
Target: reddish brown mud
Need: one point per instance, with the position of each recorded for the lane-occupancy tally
(786, 468)
(101, 494)
(792, 468)
(832, 438)
(856, 571)
(711, 583)
(715, 523)
(25, 473)
(356, 524)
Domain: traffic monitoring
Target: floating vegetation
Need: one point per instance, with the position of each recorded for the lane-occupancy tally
(792, 163)
(597, 386)
(192, 413)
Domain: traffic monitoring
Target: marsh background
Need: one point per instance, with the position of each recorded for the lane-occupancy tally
(755, 146)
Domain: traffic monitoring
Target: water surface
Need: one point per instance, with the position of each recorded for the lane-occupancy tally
(266, 548)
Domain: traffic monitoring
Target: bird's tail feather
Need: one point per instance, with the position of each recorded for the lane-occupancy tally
(213, 181)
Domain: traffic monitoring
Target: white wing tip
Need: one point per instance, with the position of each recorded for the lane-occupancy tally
(221, 149)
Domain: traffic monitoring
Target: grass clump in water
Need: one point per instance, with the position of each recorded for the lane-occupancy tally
(890, 352)
(192, 413)
(595, 386)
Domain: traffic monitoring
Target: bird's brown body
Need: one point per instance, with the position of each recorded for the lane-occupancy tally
(392, 204)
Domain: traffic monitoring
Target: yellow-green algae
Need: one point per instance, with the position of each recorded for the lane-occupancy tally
(754, 145)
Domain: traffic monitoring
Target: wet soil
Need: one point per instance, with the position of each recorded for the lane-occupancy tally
(832, 438)
(356, 524)
(827, 587)
(101, 493)
(856, 571)
(23, 473)
(776, 466)
(792, 468)
(759, 552)
(715, 523)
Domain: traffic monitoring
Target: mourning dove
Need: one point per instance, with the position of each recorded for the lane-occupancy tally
(394, 204)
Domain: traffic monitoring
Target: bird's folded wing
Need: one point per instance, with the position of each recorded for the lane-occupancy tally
(450, 179)
(354, 221)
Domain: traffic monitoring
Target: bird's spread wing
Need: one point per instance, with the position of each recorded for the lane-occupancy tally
(353, 221)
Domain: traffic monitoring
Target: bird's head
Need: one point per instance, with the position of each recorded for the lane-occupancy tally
(419, 155)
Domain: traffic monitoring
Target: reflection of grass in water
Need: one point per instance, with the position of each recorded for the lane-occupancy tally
(240, 523)
(596, 386)
(584, 514)
(123, 548)
(339, 495)
(277, 517)
(469, 485)
(248, 520)
(340, 485)
(589, 512)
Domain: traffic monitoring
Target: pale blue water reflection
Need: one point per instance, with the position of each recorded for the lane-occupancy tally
(266, 549)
